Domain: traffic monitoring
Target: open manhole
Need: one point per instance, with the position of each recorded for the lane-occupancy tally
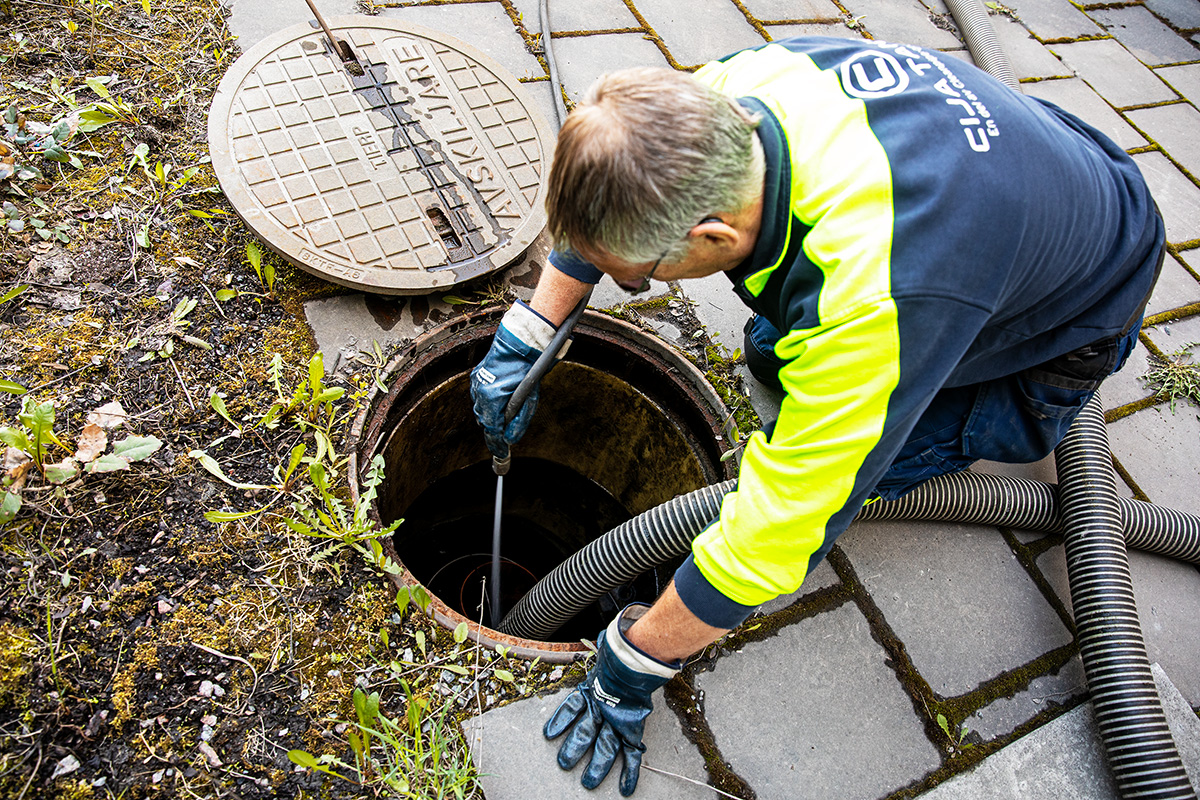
(623, 424)
(414, 166)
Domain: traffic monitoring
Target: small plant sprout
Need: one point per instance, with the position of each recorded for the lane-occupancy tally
(264, 270)
(1176, 377)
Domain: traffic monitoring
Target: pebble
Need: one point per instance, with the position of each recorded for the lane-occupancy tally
(210, 689)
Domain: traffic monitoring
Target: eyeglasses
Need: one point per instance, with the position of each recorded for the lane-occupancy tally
(645, 284)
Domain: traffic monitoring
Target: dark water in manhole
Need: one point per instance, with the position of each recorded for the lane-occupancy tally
(550, 511)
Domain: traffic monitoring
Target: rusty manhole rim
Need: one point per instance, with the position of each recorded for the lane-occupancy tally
(348, 272)
(371, 420)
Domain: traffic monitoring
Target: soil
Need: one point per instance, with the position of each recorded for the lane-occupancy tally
(146, 651)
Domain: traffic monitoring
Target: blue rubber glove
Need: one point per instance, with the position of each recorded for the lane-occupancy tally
(609, 709)
(522, 336)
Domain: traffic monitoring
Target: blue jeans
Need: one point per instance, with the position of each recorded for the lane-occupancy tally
(1015, 419)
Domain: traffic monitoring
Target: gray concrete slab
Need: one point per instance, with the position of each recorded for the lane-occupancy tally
(1143, 35)
(1113, 72)
(836, 29)
(724, 31)
(1043, 470)
(719, 310)
(594, 15)
(901, 21)
(251, 22)
(1077, 97)
(957, 597)
(1127, 386)
(1003, 716)
(1182, 14)
(806, 10)
(1177, 197)
(516, 762)
(1065, 759)
(1176, 287)
(485, 26)
(820, 578)
(1183, 79)
(1192, 259)
(1161, 449)
(582, 59)
(1173, 128)
(1028, 57)
(1172, 336)
(1167, 594)
(1053, 19)
(815, 712)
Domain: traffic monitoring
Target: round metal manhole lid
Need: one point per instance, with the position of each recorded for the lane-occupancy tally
(424, 171)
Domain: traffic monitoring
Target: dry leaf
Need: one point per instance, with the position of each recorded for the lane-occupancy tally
(92, 441)
(15, 457)
(109, 415)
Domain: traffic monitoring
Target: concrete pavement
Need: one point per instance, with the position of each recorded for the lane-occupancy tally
(914, 620)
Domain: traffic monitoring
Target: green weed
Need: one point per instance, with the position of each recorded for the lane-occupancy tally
(1176, 377)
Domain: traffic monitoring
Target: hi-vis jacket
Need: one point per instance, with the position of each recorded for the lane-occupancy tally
(923, 226)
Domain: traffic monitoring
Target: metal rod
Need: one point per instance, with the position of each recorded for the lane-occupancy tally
(495, 587)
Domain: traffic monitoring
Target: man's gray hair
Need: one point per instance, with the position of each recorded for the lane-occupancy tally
(648, 154)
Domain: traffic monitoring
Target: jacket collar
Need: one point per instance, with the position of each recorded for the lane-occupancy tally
(777, 186)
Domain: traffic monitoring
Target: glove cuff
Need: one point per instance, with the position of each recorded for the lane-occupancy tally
(528, 326)
(630, 655)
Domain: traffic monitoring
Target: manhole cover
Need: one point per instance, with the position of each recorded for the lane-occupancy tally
(422, 172)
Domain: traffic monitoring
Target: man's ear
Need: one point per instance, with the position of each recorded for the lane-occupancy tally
(715, 231)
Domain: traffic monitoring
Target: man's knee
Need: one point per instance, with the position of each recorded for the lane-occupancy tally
(759, 347)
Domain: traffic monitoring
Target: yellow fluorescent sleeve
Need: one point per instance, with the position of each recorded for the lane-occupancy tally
(838, 388)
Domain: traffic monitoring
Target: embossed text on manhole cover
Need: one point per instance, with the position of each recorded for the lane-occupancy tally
(423, 171)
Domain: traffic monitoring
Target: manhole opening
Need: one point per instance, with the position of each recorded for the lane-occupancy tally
(622, 425)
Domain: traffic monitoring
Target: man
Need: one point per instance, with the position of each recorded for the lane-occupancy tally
(941, 270)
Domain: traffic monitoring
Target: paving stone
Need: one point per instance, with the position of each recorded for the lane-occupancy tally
(1028, 57)
(594, 15)
(541, 97)
(1184, 79)
(837, 29)
(957, 597)
(1160, 450)
(251, 22)
(1171, 336)
(1176, 287)
(1116, 75)
(901, 21)
(725, 29)
(1077, 97)
(1192, 259)
(1043, 470)
(840, 723)
(1174, 128)
(718, 309)
(1147, 38)
(1065, 759)
(1167, 593)
(518, 763)
(1053, 19)
(807, 10)
(482, 25)
(820, 578)
(1126, 386)
(1180, 13)
(582, 59)
(1178, 198)
(1003, 716)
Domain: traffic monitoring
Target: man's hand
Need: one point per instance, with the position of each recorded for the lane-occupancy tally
(610, 707)
(522, 336)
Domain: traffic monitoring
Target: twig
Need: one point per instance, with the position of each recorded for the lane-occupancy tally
(32, 775)
(253, 671)
(60, 378)
(186, 391)
(214, 299)
(689, 780)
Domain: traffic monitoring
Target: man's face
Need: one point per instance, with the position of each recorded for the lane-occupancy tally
(697, 263)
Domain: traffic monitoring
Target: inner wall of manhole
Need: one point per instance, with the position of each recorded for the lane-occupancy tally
(623, 424)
